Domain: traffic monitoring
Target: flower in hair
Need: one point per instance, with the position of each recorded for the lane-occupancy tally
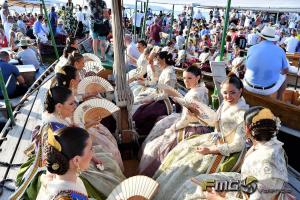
(55, 166)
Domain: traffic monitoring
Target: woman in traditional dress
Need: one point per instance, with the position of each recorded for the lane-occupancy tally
(138, 73)
(264, 161)
(71, 46)
(68, 77)
(155, 104)
(68, 153)
(176, 127)
(221, 150)
(60, 105)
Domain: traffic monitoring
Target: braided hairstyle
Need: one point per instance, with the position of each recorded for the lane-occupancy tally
(55, 95)
(262, 130)
(73, 141)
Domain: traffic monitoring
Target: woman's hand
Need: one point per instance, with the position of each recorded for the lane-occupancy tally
(93, 122)
(213, 195)
(203, 150)
(141, 81)
(98, 163)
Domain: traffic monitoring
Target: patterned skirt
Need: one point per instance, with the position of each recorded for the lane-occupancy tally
(156, 150)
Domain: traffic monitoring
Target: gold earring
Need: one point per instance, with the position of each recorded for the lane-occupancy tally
(78, 171)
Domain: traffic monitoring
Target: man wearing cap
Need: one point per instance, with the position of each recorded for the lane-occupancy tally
(13, 89)
(266, 66)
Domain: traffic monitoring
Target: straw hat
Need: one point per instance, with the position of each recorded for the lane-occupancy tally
(24, 42)
(268, 33)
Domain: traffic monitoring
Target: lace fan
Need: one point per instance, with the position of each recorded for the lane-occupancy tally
(92, 68)
(201, 111)
(135, 188)
(94, 109)
(94, 84)
(169, 90)
(91, 57)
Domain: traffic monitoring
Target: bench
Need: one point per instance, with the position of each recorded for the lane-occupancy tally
(293, 58)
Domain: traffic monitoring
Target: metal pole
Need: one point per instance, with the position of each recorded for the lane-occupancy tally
(189, 28)
(6, 98)
(277, 17)
(172, 22)
(225, 29)
(135, 14)
(144, 22)
(50, 28)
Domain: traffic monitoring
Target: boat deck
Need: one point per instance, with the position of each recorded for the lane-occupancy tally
(18, 138)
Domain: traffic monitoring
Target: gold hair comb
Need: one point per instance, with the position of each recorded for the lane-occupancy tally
(52, 140)
(61, 71)
(263, 114)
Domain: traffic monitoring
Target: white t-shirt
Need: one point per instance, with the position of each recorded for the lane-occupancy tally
(132, 51)
(139, 17)
(28, 57)
(7, 26)
(3, 17)
(291, 44)
(46, 28)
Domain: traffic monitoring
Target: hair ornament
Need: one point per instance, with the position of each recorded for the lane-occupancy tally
(52, 140)
(55, 166)
(61, 71)
(263, 114)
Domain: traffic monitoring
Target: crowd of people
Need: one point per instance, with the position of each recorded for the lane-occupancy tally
(183, 141)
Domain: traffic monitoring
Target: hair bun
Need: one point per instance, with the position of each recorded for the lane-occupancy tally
(56, 162)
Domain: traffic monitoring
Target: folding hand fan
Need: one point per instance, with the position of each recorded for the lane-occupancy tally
(135, 188)
(94, 84)
(91, 57)
(169, 90)
(200, 110)
(92, 68)
(94, 109)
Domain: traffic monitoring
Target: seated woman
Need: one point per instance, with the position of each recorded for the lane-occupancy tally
(139, 73)
(72, 45)
(154, 104)
(141, 69)
(60, 106)
(68, 153)
(68, 77)
(221, 150)
(265, 161)
(174, 128)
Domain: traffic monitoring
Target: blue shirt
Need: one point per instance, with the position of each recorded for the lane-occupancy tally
(204, 32)
(265, 62)
(53, 17)
(37, 27)
(7, 70)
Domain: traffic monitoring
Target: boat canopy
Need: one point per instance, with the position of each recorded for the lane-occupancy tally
(260, 5)
(34, 2)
